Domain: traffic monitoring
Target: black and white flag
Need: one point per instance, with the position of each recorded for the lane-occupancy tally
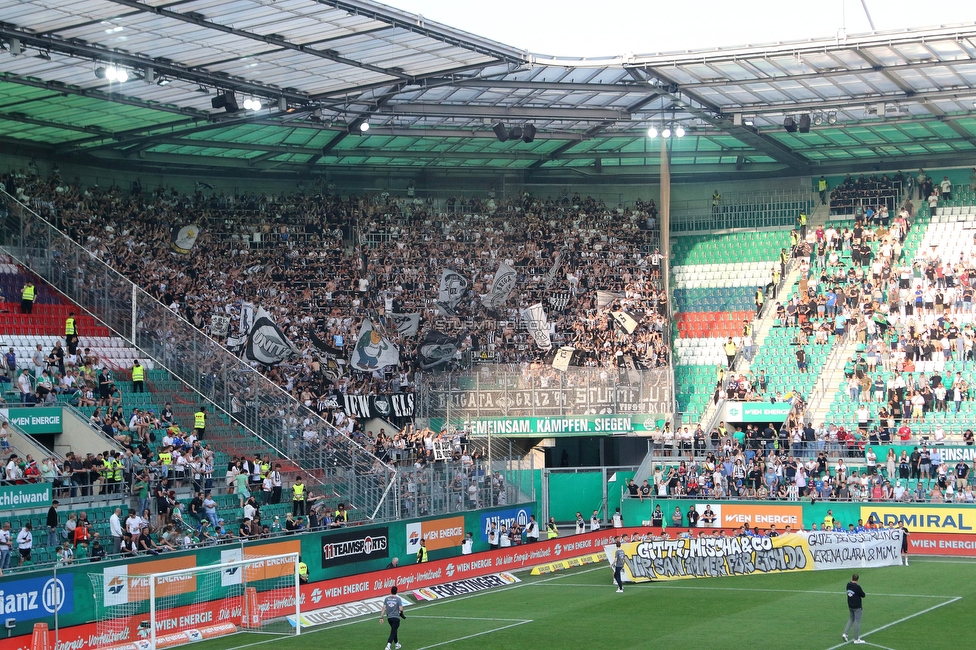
(604, 298)
(625, 320)
(538, 325)
(563, 358)
(184, 238)
(501, 287)
(266, 343)
(558, 301)
(406, 324)
(331, 359)
(451, 291)
(628, 372)
(551, 275)
(436, 349)
(247, 317)
(219, 323)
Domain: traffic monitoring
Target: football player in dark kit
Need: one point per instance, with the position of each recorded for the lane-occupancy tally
(393, 611)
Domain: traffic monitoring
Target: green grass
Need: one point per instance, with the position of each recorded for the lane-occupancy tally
(580, 609)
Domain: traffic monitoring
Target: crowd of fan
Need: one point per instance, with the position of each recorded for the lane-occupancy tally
(857, 195)
(318, 278)
(766, 472)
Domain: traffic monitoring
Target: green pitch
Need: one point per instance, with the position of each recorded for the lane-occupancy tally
(926, 605)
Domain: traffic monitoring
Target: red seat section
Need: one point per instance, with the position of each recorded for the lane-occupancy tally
(46, 320)
(705, 324)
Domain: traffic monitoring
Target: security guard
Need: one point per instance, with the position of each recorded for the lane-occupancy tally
(822, 187)
(730, 351)
(802, 221)
(165, 460)
(716, 201)
(70, 328)
(138, 377)
(298, 498)
(784, 259)
(27, 299)
(551, 531)
(340, 516)
(760, 299)
(302, 571)
(422, 552)
(199, 422)
(265, 468)
(118, 468)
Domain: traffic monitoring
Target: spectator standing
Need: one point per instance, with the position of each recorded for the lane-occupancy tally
(115, 530)
(24, 385)
(25, 539)
(210, 509)
(53, 523)
(618, 567)
(855, 594)
(5, 543)
(138, 377)
(27, 299)
(467, 546)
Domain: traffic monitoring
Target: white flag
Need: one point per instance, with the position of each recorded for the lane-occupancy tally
(604, 298)
(538, 325)
(626, 320)
(406, 324)
(501, 287)
(373, 350)
(564, 356)
(451, 290)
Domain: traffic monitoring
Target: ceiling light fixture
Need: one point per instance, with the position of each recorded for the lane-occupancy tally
(652, 132)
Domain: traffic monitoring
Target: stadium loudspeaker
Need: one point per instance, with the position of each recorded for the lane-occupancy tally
(528, 133)
(500, 132)
(805, 123)
(226, 101)
(515, 133)
(789, 125)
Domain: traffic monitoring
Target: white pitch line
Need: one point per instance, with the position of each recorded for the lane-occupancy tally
(901, 620)
(413, 608)
(661, 585)
(883, 647)
(472, 636)
(474, 618)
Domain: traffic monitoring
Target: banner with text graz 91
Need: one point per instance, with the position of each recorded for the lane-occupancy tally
(710, 557)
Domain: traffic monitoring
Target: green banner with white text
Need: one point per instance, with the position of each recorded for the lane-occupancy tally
(565, 426)
(25, 495)
(34, 420)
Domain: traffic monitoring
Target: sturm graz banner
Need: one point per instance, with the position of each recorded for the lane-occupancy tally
(451, 290)
(558, 301)
(406, 324)
(501, 287)
(396, 405)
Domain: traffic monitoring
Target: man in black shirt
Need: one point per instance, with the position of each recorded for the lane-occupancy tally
(854, 596)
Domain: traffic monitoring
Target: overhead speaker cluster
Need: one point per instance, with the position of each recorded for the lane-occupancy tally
(226, 101)
(525, 133)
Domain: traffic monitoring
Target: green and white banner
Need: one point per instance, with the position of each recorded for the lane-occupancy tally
(25, 495)
(34, 420)
(563, 426)
(756, 411)
(950, 454)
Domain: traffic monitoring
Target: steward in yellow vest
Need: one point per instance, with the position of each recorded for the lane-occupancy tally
(138, 377)
(27, 299)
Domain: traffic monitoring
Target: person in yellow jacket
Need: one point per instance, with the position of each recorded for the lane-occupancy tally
(730, 350)
(422, 552)
(302, 571)
(199, 422)
(552, 532)
(27, 299)
(138, 377)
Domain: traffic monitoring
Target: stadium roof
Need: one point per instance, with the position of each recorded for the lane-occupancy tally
(432, 93)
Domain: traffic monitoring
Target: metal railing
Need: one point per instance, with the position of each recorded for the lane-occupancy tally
(288, 428)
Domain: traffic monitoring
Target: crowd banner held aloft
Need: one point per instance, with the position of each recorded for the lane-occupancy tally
(397, 405)
(451, 290)
(756, 411)
(604, 298)
(501, 287)
(373, 349)
(538, 325)
(266, 343)
(710, 557)
(626, 320)
(436, 349)
(183, 239)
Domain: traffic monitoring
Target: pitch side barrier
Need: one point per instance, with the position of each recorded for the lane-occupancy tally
(314, 595)
(934, 528)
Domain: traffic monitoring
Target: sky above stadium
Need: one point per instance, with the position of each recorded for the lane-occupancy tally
(617, 27)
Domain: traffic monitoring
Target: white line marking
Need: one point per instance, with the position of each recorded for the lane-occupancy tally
(414, 608)
(883, 647)
(472, 636)
(664, 585)
(474, 618)
(901, 620)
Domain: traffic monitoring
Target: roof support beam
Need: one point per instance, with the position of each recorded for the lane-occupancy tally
(713, 115)
(270, 40)
(166, 67)
(506, 112)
